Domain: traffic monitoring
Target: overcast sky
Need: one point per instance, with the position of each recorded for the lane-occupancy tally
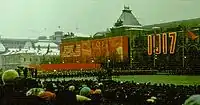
(28, 18)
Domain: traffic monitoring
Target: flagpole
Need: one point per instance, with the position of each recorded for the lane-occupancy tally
(154, 48)
(191, 35)
(153, 37)
(183, 49)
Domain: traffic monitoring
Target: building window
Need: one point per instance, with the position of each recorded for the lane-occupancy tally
(24, 59)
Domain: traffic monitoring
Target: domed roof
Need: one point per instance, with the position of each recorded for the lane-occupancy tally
(45, 44)
(2, 48)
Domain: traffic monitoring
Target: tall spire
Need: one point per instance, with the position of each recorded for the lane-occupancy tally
(59, 28)
(126, 7)
(128, 19)
(59, 31)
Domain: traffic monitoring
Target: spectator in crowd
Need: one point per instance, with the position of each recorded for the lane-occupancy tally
(7, 90)
(193, 100)
(66, 94)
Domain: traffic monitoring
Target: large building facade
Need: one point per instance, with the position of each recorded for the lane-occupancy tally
(127, 27)
(126, 44)
(185, 51)
(32, 53)
(25, 52)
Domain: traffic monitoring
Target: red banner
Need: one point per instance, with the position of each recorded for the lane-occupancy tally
(70, 52)
(104, 47)
(96, 48)
(95, 51)
(86, 51)
(71, 49)
(100, 49)
(118, 47)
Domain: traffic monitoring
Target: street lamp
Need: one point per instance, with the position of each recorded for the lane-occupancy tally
(108, 63)
(109, 72)
(154, 60)
(131, 63)
(94, 64)
(184, 57)
(154, 47)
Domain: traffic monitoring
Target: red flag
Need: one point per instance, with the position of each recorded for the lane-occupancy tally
(192, 35)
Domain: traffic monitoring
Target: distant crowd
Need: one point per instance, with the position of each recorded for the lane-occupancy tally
(94, 73)
(34, 73)
(27, 91)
